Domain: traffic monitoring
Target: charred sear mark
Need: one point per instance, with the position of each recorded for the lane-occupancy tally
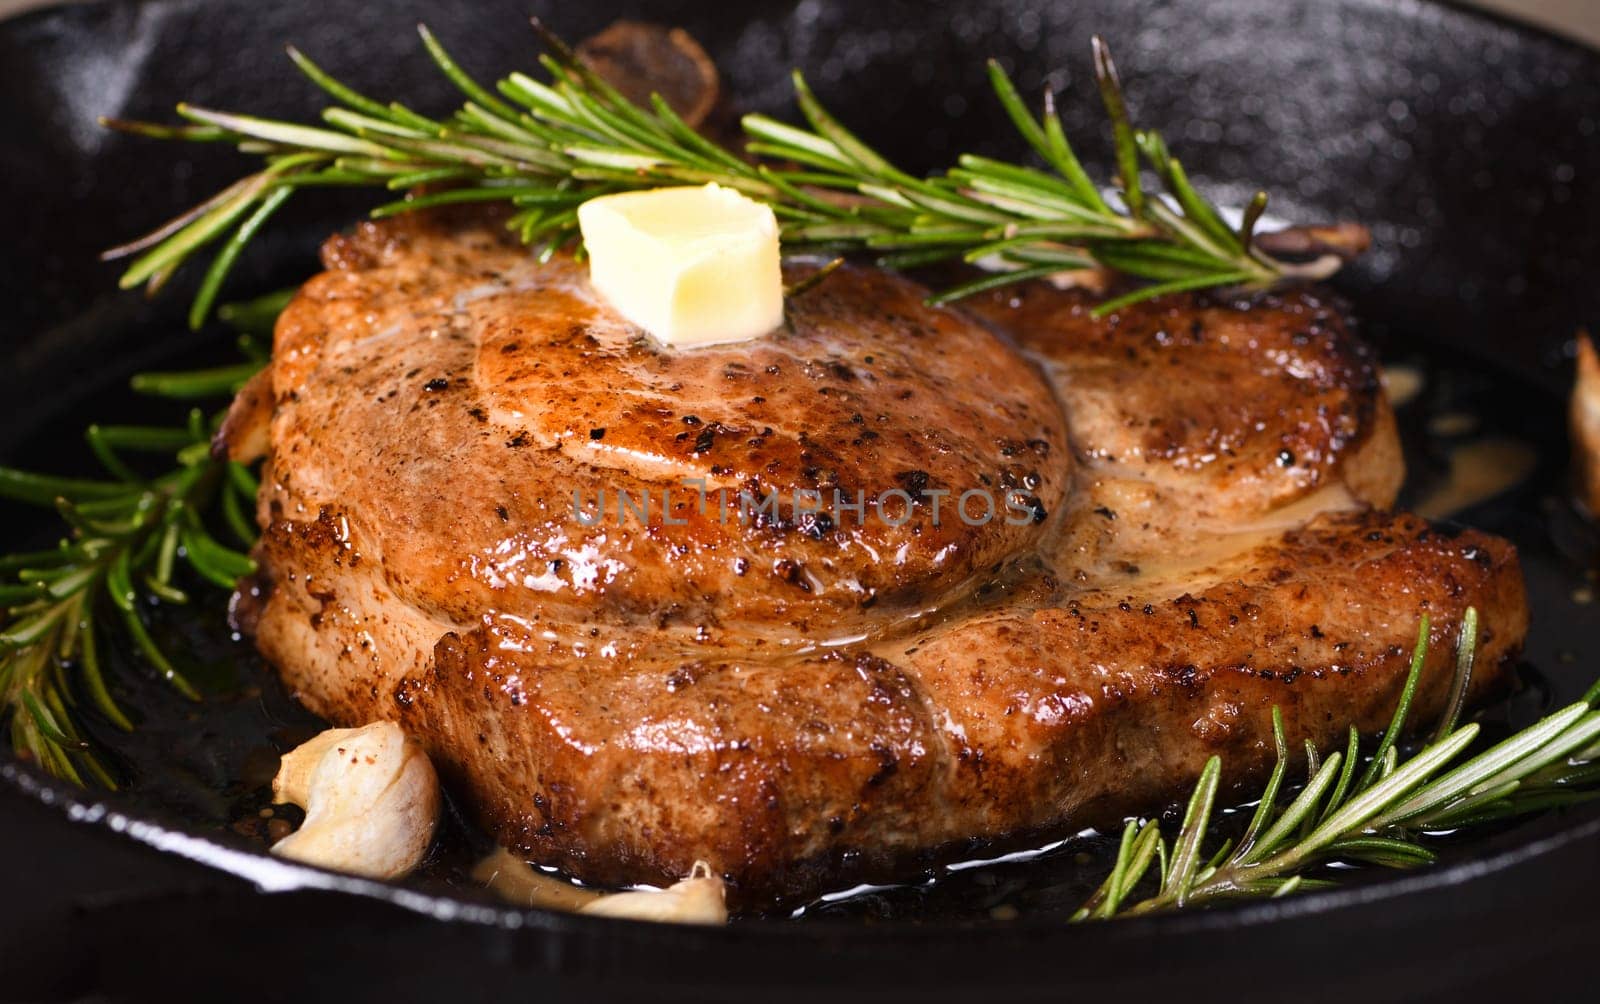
(915, 483)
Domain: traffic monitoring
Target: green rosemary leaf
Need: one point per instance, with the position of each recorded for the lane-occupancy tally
(1347, 775)
(973, 168)
(778, 141)
(1196, 820)
(1105, 72)
(233, 511)
(1367, 804)
(106, 453)
(165, 591)
(219, 381)
(74, 581)
(994, 281)
(338, 91)
(1092, 907)
(1265, 808)
(11, 596)
(1185, 232)
(1155, 260)
(1026, 201)
(153, 654)
(1032, 131)
(960, 237)
(1147, 847)
(244, 482)
(1303, 807)
(521, 194)
(1466, 656)
(460, 77)
(1218, 857)
(1029, 251)
(172, 228)
(1551, 764)
(166, 550)
(154, 130)
(1066, 162)
(47, 724)
(222, 264)
(1163, 288)
(1560, 734)
(684, 134)
(257, 317)
(31, 629)
(918, 259)
(1383, 851)
(285, 134)
(220, 564)
(1196, 209)
(156, 264)
(849, 146)
(44, 490)
(379, 130)
(1402, 708)
(429, 176)
(94, 680)
(39, 559)
(143, 438)
(579, 135)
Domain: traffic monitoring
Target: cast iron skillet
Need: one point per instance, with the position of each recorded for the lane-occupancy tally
(1471, 146)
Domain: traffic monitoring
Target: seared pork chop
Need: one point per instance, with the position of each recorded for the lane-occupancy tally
(812, 700)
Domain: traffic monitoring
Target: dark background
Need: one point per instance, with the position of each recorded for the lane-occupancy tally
(1470, 147)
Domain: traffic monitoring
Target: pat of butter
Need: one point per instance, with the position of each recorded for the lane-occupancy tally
(692, 266)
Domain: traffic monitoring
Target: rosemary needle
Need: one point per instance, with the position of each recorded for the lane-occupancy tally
(1385, 819)
(126, 536)
(544, 147)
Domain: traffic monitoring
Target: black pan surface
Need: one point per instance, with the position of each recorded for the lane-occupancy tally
(1470, 146)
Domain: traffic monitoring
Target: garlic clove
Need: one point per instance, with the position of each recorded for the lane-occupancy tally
(1583, 418)
(292, 784)
(371, 798)
(516, 881)
(699, 899)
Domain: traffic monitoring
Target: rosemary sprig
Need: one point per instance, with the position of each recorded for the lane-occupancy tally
(126, 537)
(544, 147)
(1382, 818)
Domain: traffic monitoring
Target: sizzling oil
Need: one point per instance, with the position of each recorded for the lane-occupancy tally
(207, 766)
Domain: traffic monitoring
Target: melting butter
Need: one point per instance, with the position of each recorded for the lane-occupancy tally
(1211, 553)
(1478, 472)
(1402, 382)
(692, 266)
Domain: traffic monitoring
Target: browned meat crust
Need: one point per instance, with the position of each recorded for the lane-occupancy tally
(809, 704)
(815, 772)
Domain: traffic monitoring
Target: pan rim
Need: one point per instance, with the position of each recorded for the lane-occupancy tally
(100, 811)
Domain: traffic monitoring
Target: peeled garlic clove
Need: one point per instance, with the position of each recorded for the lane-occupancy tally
(292, 784)
(1583, 417)
(516, 881)
(371, 799)
(698, 899)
